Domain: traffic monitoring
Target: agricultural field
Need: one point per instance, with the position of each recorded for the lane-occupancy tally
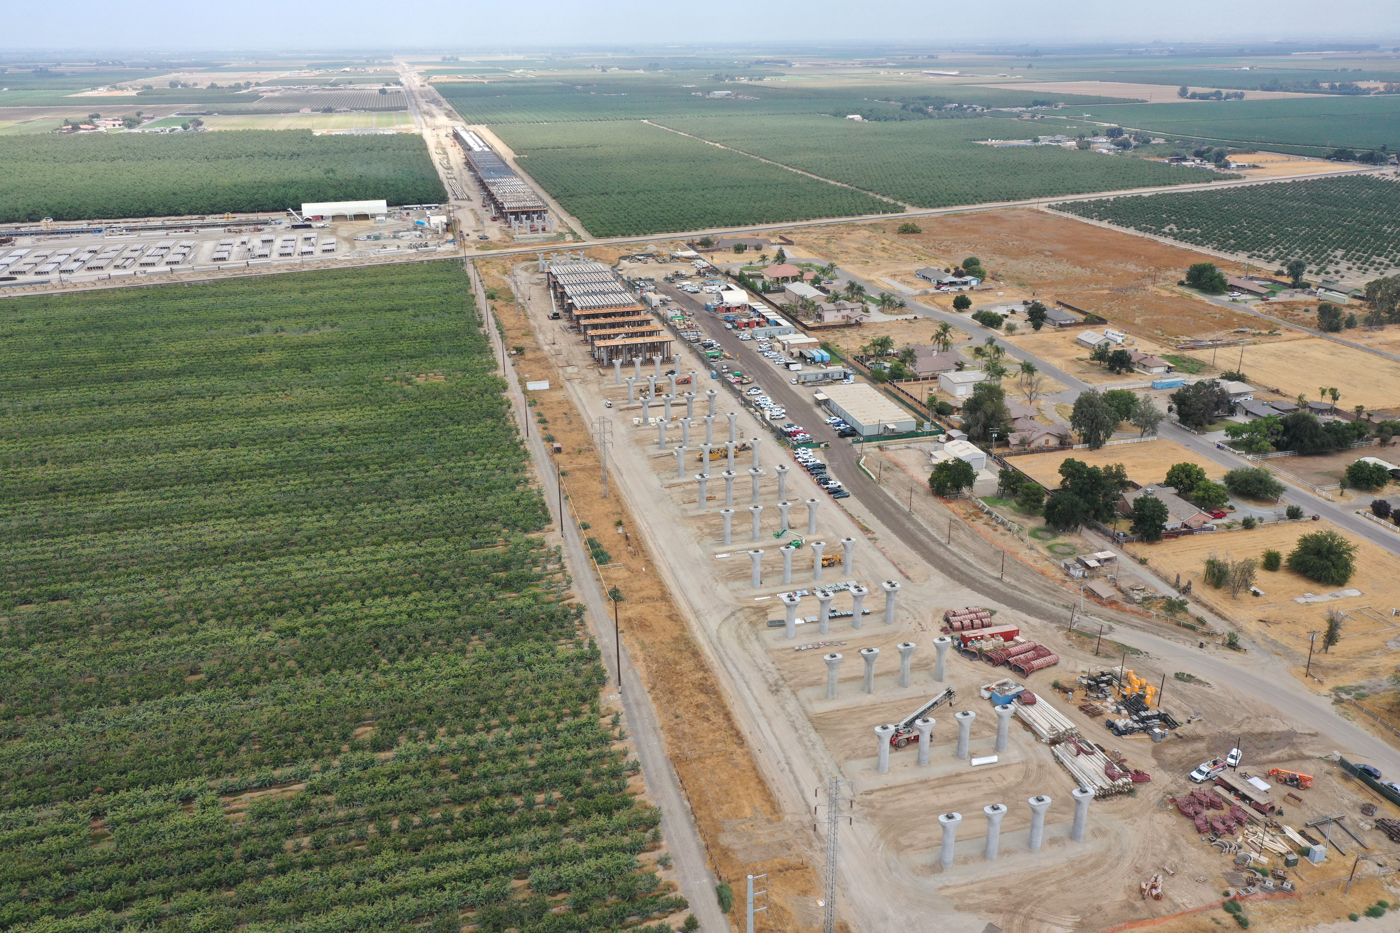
(1349, 224)
(316, 122)
(935, 163)
(147, 175)
(622, 179)
(281, 646)
(392, 99)
(1318, 123)
(635, 98)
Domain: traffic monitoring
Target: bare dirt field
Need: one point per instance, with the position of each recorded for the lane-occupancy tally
(1370, 635)
(1128, 280)
(1299, 366)
(1329, 469)
(1151, 93)
(1059, 347)
(1147, 462)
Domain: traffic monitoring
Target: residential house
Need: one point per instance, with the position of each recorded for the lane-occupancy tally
(1239, 391)
(1248, 287)
(1180, 513)
(839, 312)
(1258, 409)
(782, 272)
(959, 384)
(1284, 407)
(930, 362)
(1148, 364)
(1321, 408)
(1059, 317)
(941, 279)
(1032, 434)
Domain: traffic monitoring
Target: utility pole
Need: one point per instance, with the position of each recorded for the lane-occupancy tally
(1099, 642)
(1160, 690)
(753, 894)
(1312, 637)
(617, 638)
(838, 792)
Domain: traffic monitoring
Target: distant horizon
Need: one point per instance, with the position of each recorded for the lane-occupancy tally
(586, 25)
(1241, 47)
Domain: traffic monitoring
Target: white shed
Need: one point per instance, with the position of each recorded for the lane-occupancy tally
(959, 384)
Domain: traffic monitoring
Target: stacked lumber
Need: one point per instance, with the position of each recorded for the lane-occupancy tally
(1390, 827)
(1091, 768)
(1046, 721)
(1261, 839)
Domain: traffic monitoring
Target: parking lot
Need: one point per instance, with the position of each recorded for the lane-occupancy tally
(114, 252)
(771, 380)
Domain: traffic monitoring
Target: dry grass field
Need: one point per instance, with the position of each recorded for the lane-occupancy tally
(1127, 279)
(1295, 367)
(1370, 635)
(1147, 462)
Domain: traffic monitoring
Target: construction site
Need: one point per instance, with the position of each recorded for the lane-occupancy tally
(933, 730)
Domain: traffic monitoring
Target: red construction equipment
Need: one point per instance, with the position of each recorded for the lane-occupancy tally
(1292, 778)
(1003, 632)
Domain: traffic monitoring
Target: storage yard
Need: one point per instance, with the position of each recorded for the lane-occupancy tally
(831, 653)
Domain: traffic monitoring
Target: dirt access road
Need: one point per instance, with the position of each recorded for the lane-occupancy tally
(678, 829)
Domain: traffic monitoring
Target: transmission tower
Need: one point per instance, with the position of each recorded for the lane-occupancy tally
(839, 793)
(604, 428)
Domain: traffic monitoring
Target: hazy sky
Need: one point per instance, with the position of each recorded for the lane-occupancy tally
(344, 24)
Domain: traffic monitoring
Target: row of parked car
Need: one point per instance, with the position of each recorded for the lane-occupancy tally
(809, 462)
(843, 429)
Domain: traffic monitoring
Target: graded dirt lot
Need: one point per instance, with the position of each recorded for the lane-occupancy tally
(1146, 462)
(1370, 635)
(1299, 366)
(1151, 93)
(1059, 347)
(1278, 165)
(1129, 280)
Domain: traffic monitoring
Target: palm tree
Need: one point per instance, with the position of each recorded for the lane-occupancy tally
(994, 350)
(1335, 395)
(944, 337)
(1359, 409)
(829, 270)
(995, 371)
(854, 291)
(906, 356)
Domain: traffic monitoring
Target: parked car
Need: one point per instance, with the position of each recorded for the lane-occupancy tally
(1370, 771)
(1232, 760)
(755, 391)
(840, 494)
(1218, 513)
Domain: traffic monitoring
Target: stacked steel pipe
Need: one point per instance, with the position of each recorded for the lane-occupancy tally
(1003, 655)
(963, 620)
(1028, 664)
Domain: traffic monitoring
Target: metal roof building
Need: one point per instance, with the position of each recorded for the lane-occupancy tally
(328, 210)
(868, 411)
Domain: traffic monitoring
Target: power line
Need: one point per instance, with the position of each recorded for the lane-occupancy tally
(838, 792)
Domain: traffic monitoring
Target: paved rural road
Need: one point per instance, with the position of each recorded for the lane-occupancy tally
(1030, 592)
(678, 827)
(1341, 514)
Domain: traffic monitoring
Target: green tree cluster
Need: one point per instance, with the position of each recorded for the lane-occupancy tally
(1204, 276)
(1086, 492)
